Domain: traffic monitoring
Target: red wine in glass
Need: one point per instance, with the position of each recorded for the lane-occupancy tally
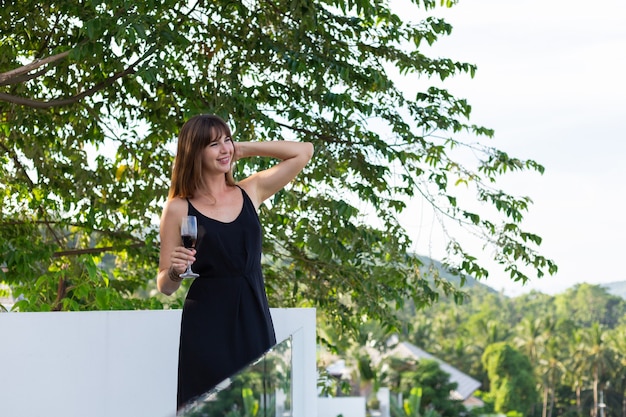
(189, 234)
(189, 241)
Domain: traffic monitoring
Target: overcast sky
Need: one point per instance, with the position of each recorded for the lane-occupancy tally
(550, 81)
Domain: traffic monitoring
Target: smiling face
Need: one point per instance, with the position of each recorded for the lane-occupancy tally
(204, 143)
(218, 155)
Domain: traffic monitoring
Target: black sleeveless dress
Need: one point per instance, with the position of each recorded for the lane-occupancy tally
(226, 322)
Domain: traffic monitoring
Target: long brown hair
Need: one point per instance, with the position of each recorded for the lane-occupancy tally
(193, 137)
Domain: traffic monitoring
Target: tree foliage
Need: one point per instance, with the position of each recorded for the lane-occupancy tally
(511, 379)
(574, 366)
(423, 383)
(572, 360)
(92, 94)
(589, 304)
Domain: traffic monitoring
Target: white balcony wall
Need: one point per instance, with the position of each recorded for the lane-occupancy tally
(118, 363)
(341, 406)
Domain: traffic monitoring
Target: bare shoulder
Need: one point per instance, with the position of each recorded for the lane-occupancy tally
(174, 208)
(249, 186)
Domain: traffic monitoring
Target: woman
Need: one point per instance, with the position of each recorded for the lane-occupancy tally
(226, 322)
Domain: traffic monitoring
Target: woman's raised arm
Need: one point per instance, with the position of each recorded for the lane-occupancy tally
(293, 157)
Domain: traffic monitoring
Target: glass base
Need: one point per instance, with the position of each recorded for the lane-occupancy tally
(189, 274)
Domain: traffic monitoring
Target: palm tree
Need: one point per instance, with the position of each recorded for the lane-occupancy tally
(599, 356)
(617, 342)
(552, 369)
(576, 365)
(537, 339)
(530, 337)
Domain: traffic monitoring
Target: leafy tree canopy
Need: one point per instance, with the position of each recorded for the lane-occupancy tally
(589, 304)
(513, 386)
(92, 94)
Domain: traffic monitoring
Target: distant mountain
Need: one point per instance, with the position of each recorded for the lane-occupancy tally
(616, 288)
(431, 266)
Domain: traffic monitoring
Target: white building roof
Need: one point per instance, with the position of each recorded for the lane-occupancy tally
(466, 385)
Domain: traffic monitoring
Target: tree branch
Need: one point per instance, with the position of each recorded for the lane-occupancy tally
(93, 251)
(7, 77)
(27, 77)
(63, 102)
(61, 293)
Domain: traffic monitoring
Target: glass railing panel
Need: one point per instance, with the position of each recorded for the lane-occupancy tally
(262, 389)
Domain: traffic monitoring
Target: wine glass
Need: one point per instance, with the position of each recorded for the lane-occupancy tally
(189, 234)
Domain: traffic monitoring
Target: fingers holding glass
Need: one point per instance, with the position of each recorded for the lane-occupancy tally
(189, 235)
